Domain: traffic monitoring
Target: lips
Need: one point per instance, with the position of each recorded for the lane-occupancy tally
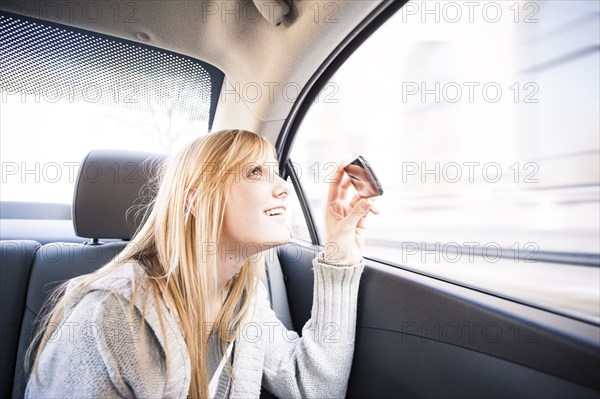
(278, 210)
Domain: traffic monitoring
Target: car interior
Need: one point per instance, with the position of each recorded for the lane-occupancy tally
(418, 335)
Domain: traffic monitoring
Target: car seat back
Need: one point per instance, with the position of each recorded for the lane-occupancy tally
(16, 259)
(109, 183)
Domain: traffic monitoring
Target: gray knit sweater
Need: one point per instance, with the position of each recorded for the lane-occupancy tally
(99, 352)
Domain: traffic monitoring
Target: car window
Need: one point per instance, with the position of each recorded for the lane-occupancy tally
(66, 92)
(481, 120)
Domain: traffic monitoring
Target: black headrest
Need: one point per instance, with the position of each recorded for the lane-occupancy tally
(109, 183)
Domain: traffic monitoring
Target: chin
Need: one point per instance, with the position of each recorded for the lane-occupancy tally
(275, 241)
(263, 242)
(262, 245)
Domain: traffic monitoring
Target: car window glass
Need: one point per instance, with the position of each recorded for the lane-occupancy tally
(66, 92)
(481, 120)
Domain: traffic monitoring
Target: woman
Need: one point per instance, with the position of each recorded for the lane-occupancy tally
(182, 312)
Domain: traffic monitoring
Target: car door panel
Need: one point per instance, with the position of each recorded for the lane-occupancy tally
(389, 364)
(420, 336)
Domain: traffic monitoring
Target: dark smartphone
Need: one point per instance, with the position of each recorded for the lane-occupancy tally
(363, 178)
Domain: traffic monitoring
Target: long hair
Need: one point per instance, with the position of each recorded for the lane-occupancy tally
(176, 248)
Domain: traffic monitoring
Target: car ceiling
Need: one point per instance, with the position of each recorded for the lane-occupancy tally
(252, 52)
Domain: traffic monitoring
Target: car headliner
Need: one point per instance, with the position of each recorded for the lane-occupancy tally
(253, 53)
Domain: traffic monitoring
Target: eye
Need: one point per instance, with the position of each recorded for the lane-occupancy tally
(256, 172)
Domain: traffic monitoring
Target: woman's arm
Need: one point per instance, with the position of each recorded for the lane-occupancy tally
(319, 363)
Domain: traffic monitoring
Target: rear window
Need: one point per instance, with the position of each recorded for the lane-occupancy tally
(66, 91)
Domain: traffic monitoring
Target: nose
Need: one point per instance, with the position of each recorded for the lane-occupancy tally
(282, 187)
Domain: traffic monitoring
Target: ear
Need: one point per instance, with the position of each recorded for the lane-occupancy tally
(189, 201)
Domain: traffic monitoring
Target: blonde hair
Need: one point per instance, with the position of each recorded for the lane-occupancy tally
(171, 243)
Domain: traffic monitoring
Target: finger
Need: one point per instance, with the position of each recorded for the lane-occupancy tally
(363, 220)
(366, 214)
(344, 188)
(336, 180)
(362, 223)
(354, 200)
(374, 210)
(352, 203)
(359, 234)
(358, 211)
(337, 210)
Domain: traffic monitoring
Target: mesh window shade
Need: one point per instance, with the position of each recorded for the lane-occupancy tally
(54, 63)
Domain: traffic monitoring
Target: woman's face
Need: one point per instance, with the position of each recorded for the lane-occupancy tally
(255, 213)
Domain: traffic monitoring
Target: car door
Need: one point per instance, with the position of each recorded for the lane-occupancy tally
(482, 271)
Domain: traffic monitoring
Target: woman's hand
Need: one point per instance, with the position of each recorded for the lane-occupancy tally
(345, 221)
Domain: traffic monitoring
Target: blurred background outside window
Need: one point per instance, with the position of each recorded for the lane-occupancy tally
(481, 120)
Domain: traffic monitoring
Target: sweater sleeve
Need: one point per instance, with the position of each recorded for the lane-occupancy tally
(318, 363)
(99, 351)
